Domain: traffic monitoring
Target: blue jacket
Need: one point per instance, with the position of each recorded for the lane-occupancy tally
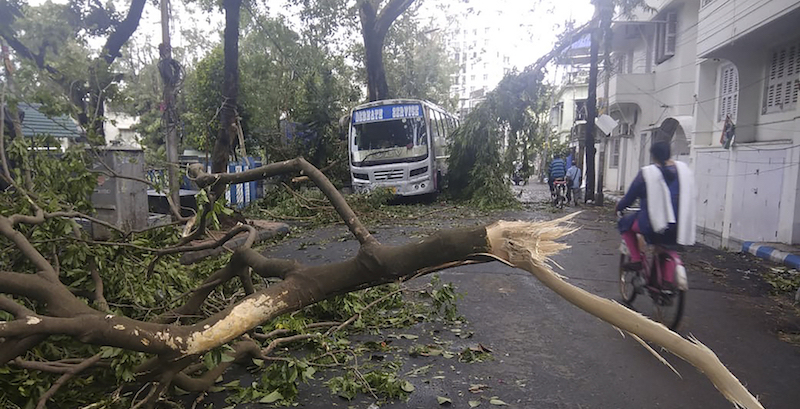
(558, 168)
(638, 190)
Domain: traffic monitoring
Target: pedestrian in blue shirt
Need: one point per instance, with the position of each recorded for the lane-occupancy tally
(574, 183)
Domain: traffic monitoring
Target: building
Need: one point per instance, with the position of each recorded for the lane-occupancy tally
(568, 114)
(684, 69)
(649, 85)
(748, 67)
(36, 124)
(486, 47)
(119, 130)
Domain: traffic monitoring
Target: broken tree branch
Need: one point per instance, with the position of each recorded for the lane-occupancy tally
(74, 370)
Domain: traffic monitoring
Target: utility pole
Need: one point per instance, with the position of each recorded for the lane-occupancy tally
(591, 114)
(170, 79)
(606, 13)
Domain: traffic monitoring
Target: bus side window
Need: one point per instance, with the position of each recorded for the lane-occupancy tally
(442, 129)
(434, 127)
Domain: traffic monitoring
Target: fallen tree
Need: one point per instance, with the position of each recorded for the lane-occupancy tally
(40, 305)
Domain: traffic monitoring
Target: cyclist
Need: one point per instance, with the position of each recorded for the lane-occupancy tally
(667, 200)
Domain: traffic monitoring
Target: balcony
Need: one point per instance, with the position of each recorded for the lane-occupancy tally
(628, 88)
(746, 23)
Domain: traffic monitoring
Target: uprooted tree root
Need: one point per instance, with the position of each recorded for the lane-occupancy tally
(176, 344)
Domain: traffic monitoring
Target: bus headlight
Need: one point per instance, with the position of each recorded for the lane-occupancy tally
(418, 171)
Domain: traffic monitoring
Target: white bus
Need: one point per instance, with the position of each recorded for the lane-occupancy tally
(399, 144)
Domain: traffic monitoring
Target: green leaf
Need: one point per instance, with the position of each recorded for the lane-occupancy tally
(497, 402)
(309, 372)
(227, 358)
(272, 397)
(443, 401)
(408, 387)
(474, 403)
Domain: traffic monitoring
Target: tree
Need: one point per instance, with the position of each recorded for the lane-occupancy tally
(417, 63)
(375, 24)
(228, 129)
(66, 300)
(51, 39)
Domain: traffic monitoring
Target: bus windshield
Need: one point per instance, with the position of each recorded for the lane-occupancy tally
(397, 140)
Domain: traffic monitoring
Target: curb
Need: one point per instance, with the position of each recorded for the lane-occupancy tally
(772, 254)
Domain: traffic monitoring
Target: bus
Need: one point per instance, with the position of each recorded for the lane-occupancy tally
(399, 144)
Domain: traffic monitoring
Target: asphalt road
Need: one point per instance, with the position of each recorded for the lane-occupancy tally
(549, 354)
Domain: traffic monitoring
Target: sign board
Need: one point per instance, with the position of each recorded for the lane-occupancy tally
(387, 113)
(605, 123)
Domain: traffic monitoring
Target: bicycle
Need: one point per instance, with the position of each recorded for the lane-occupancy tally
(559, 193)
(662, 276)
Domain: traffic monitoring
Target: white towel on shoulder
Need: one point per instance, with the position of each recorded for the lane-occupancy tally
(659, 202)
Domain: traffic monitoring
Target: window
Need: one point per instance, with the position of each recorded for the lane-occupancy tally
(472, 78)
(666, 37)
(615, 148)
(456, 80)
(623, 63)
(557, 114)
(728, 92)
(506, 59)
(783, 80)
(485, 77)
(580, 110)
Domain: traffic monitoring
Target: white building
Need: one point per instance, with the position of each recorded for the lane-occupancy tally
(568, 113)
(651, 83)
(687, 67)
(486, 46)
(748, 67)
(119, 131)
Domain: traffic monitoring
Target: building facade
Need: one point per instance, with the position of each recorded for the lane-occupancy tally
(486, 47)
(676, 74)
(748, 68)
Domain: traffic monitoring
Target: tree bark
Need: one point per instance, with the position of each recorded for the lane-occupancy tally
(374, 27)
(230, 89)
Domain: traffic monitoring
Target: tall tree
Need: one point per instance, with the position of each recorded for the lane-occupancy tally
(228, 130)
(416, 60)
(51, 37)
(375, 24)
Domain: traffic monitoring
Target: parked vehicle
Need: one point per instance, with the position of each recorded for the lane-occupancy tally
(399, 144)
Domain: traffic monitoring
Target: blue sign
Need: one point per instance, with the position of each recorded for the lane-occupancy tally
(387, 112)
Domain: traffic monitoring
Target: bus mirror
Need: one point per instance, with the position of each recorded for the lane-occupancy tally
(344, 123)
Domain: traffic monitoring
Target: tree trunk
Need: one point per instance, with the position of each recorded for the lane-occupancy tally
(374, 27)
(377, 88)
(230, 89)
